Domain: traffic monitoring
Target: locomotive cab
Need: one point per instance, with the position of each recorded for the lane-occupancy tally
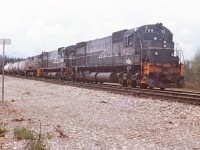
(161, 66)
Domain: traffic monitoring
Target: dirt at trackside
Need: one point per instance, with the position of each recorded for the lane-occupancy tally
(89, 119)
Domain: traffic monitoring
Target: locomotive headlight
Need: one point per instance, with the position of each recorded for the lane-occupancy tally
(172, 54)
(156, 53)
(155, 38)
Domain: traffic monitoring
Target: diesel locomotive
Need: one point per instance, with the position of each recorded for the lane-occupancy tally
(140, 57)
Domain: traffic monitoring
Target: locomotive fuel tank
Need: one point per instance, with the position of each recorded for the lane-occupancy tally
(92, 77)
(54, 75)
(106, 77)
(49, 75)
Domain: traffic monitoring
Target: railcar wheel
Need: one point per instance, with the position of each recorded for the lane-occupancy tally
(151, 88)
(162, 89)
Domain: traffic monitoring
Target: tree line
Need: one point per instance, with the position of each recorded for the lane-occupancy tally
(192, 71)
(8, 59)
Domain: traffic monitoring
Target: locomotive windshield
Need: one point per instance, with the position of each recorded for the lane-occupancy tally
(158, 36)
(158, 56)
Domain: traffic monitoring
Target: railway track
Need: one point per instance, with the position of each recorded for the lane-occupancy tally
(168, 94)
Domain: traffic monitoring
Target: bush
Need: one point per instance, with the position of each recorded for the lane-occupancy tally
(193, 72)
(22, 133)
(36, 140)
(37, 145)
(3, 131)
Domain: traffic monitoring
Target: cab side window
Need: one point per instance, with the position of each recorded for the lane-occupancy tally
(128, 41)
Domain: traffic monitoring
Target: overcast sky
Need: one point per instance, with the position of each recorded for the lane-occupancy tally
(44, 25)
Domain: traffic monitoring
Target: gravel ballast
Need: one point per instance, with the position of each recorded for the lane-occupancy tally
(88, 119)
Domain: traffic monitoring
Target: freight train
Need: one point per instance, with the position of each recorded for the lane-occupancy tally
(140, 57)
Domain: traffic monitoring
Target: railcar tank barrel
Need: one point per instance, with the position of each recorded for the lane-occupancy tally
(10, 68)
(23, 65)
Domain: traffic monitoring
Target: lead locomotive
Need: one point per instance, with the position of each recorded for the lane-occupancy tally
(143, 56)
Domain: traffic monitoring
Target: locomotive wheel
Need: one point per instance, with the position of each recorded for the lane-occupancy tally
(181, 83)
(84, 80)
(124, 83)
(87, 81)
(133, 83)
(143, 86)
(77, 79)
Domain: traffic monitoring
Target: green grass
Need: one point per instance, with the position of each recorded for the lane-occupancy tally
(36, 145)
(23, 133)
(49, 136)
(3, 131)
(36, 140)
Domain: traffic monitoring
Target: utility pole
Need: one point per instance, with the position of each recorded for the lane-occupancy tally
(4, 42)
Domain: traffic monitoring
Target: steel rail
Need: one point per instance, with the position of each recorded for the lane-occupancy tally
(171, 95)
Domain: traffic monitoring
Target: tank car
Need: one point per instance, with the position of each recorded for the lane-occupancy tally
(15, 68)
(23, 65)
(6, 68)
(10, 68)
